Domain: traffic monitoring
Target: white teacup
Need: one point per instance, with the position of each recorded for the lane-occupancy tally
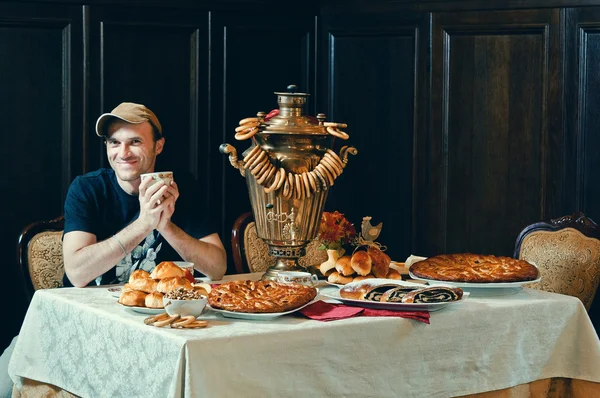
(303, 278)
(166, 176)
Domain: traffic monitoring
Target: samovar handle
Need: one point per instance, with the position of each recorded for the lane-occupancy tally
(344, 153)
(233, 159)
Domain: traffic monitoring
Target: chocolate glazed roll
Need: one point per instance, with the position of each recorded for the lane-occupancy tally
(436, 294)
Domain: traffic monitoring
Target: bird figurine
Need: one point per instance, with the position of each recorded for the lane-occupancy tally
(368, 231)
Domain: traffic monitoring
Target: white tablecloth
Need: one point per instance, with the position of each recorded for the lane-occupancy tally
(83, 341)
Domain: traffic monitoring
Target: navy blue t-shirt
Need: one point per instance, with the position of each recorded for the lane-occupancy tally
(96, 204)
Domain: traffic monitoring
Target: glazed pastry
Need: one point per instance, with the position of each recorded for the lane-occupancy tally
(166, 269)
(361, 263)
(168, 284)
(380, 260)
(336, 278)
(154, 300)
(139, 274)
(133, 298)
(145, 285)
(343, 266)
(393, 274)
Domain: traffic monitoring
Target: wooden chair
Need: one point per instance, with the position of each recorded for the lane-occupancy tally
(251, 254)
(40, 255)
(567, 252)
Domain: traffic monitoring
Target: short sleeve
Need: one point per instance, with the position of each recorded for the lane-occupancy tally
(81, 211)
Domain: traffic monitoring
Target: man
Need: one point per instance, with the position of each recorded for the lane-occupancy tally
(115, 224)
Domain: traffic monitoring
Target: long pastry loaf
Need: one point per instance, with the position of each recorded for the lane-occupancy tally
(434, 294)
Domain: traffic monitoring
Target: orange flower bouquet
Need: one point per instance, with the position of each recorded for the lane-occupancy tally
(335, 232)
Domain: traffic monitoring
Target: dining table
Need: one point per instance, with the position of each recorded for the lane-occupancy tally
(524, 342)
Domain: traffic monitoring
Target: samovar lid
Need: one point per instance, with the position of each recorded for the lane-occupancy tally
(290, 118)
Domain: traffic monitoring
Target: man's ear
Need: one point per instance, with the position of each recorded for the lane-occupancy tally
(159, 145)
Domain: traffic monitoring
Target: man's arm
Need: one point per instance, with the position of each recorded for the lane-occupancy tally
(86, 259)
(207, 253)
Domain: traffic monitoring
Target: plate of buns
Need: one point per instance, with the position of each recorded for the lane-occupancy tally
(361, 265)
(396, 295)
(144, 291)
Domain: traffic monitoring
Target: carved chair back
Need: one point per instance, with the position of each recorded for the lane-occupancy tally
(40, 255)
(251, 253)
(567, 252)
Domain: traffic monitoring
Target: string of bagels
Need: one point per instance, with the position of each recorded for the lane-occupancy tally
(279, 180)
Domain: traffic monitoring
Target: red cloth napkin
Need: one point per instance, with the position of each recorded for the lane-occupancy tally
(322, 311)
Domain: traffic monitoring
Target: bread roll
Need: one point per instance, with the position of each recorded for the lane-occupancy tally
(166, 269)
(133, 298)
(380, 260)
(361, 263)
(145, 285)
(139, 274)
(343, 267)
(154, 300)
(168, 284)
(202, 288)
(393, 274)
(336, 278)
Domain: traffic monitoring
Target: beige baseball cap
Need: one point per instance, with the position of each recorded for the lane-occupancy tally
(131, 113)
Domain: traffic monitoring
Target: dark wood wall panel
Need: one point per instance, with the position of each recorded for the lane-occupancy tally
(372, 74)
(40, 97)
(585, 33)
(260, 57)
(491, 148)
(160, 59)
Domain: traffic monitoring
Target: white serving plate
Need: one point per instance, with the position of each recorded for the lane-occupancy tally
(256, 316)
(471, 285)
(145, 310)
(334, 293)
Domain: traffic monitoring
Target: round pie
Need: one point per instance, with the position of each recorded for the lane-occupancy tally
(260, 296)
(474, 268)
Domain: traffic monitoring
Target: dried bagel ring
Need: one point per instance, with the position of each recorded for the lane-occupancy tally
(326, 173)
(251, 154)
(248, 120)
(286, 188)
(334, 124)
(257, 160)
(252, 159)
(307, 188)
(321, 179)
(259, 170)
(245, 136)
(273, 185)
(246, 126)
(311, 181)
(196, 325)
(332, 166)
(337, 133)
(266, 175)
(185, 320)
(154, 318)
(282, 180)
(335, 157)
(167, 321)
(290, 180)
(297, 188)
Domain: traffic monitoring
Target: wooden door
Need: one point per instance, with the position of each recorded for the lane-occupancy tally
(496, 159)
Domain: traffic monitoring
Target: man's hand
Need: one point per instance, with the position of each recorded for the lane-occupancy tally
(170, 198)
(153, 201)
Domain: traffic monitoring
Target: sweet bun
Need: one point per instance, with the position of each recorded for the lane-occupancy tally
(154, 300)
(139, 274)
(133, 298)
(202, 288)
(380, 260)
(393, 274)
(343, 267)
(145, 285)
(336, 278)
(168, 284)
(361, 263)
(166, 269)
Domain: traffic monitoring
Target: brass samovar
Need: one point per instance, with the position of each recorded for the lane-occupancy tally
(289, 168)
